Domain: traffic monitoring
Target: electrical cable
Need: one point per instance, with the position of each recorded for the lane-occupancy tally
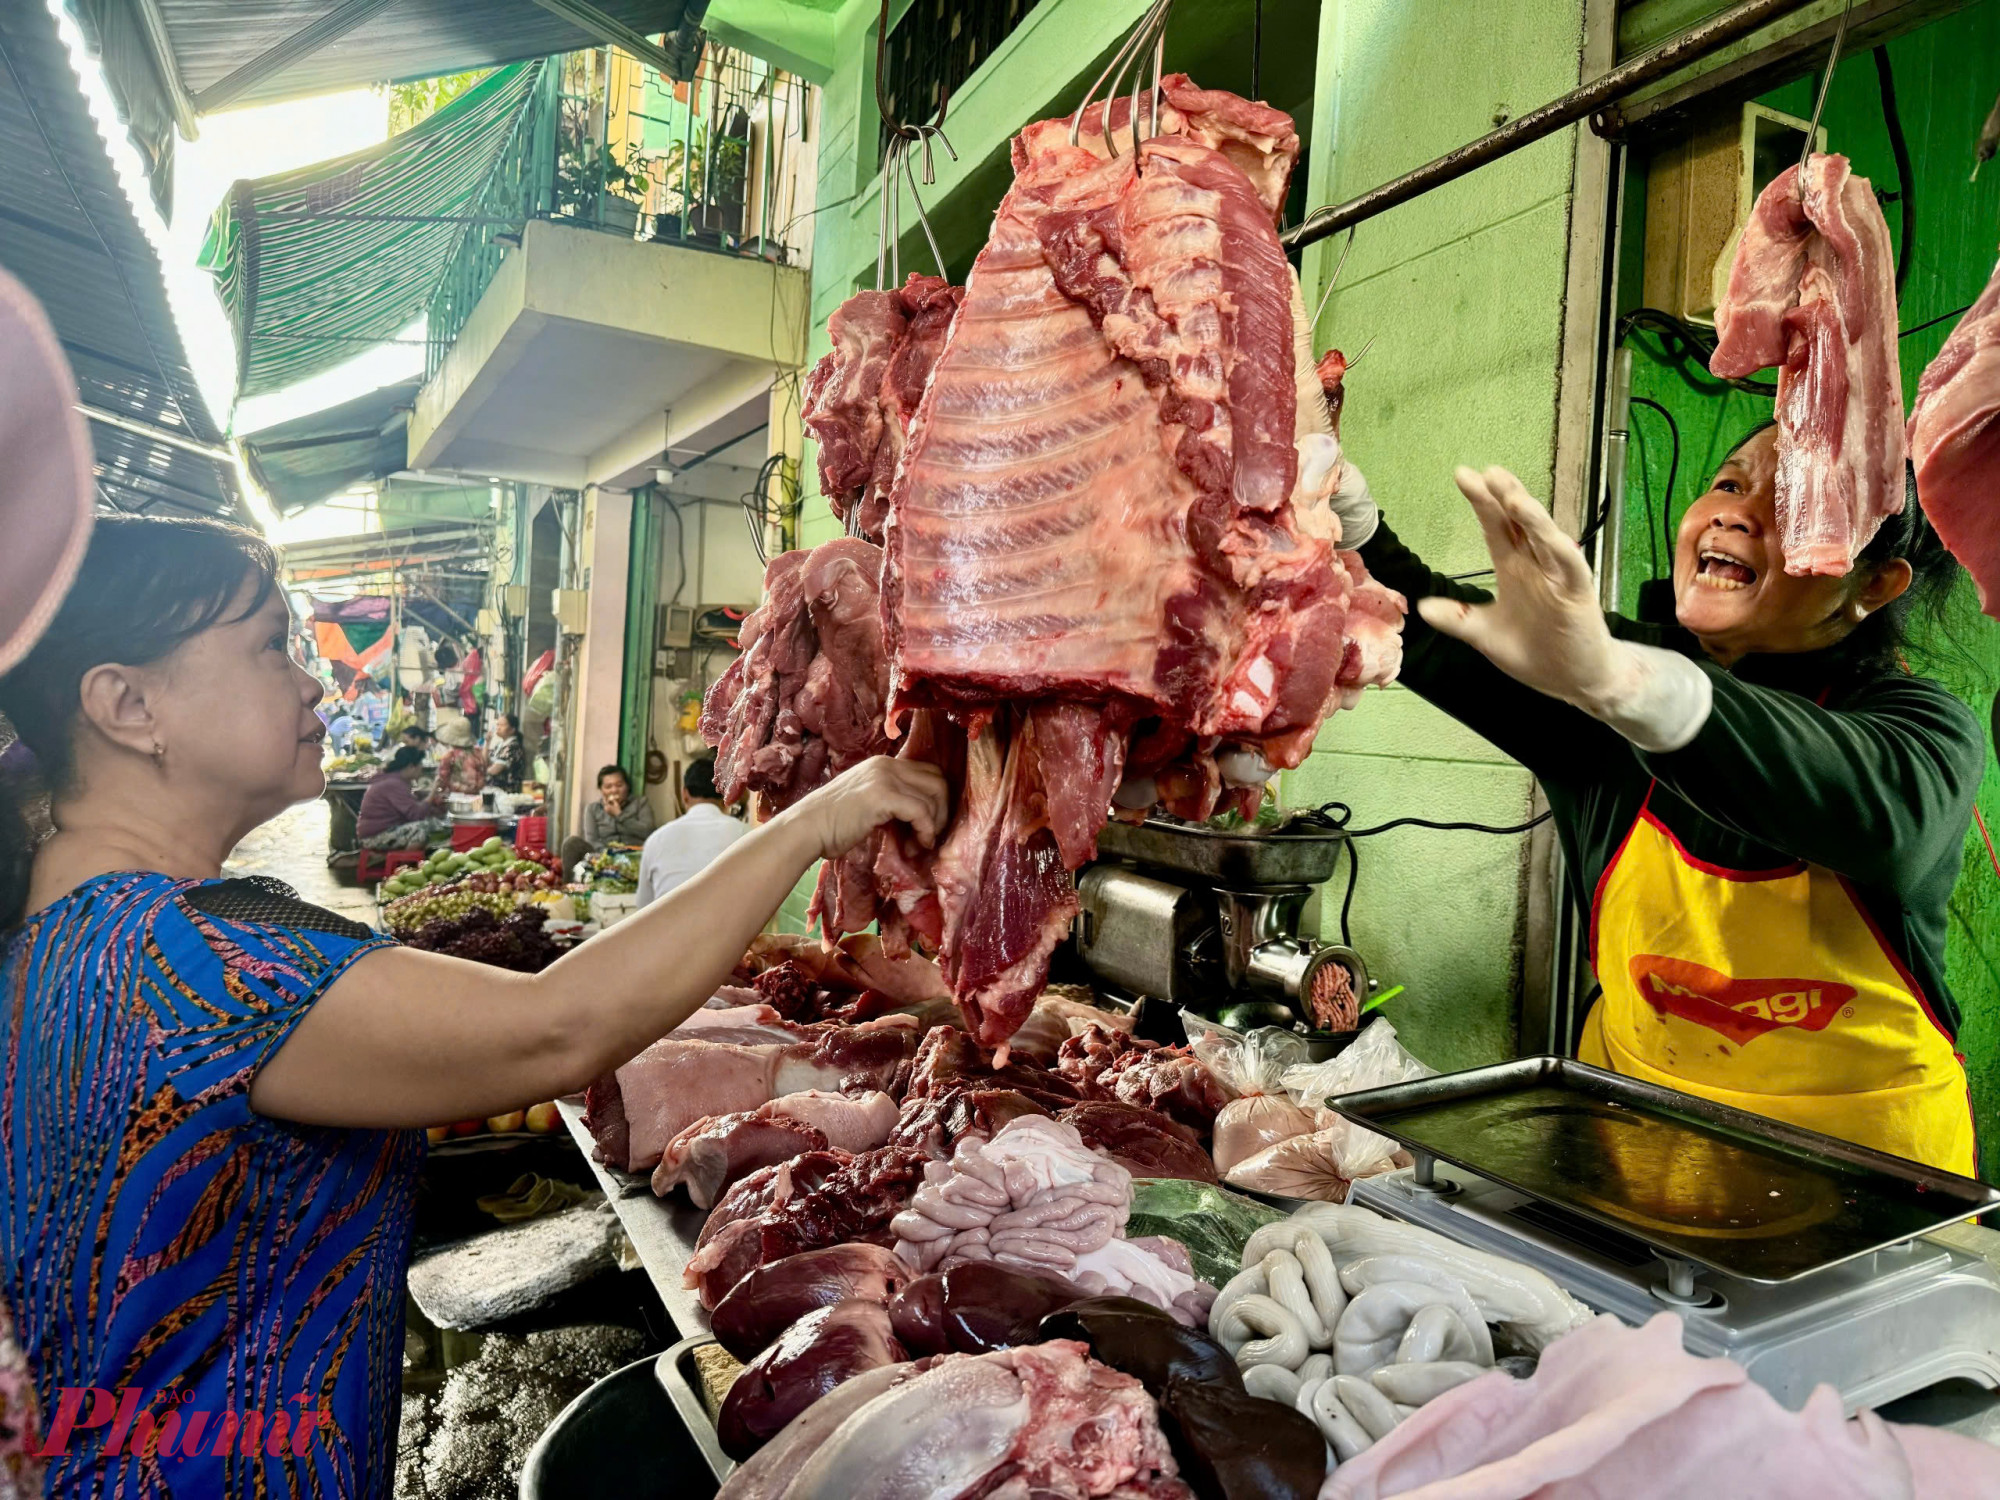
(1673, 477)
(1933, 322)
(1899, 146)
(1336, 815)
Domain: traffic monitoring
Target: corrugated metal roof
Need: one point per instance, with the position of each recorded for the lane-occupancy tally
(406, 39)
(67, 231)
(314, 263)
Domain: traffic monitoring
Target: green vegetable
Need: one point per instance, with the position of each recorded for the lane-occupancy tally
(1212, 1222)
(492, 843)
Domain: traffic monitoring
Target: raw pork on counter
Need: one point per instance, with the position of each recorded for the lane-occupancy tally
(1955, 443)
(1044, 1420)
(1110, 567)
(1813, 291)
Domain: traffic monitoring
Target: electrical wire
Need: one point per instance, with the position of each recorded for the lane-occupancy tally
(1336, 816)
(1906, 177)
(1673, 477)
(1933, 322)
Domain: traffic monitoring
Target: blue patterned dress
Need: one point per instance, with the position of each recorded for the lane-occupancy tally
(162, 1243)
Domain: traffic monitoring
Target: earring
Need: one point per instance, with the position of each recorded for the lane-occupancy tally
(159, 756)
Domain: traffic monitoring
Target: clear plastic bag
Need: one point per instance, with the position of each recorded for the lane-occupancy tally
(1317, 1164)
(1374, 1060)
(1251, 1067)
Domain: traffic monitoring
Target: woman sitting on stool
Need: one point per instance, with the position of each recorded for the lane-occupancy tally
(391, 815)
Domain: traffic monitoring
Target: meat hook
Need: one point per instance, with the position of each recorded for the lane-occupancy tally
(1150, 31)
(1825, 83)
(903, 136)
(1327, 294)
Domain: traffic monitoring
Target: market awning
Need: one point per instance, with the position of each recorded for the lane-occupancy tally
(69, 233)
(317, 264)
(301, 462)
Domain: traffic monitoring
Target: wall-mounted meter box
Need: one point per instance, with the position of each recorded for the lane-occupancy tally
(675, 627)
(1699, 192)
(571, 608)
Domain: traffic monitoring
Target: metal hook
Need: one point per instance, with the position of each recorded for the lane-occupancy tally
(1332, 280)
(1825, 83)
(1151, 26)
(1362, 355)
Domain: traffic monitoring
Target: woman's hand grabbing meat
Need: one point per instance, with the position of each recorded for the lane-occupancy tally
(879, 790)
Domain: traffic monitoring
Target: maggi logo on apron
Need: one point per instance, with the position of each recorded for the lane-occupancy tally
(1738, 1009)
(1772, 991)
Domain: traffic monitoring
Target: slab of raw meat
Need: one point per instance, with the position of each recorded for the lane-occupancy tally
(856, 963)
(949, 1057)
(1813, 291)
(709, 1155)
(634, 1111)
(769, 1472)
(1143, 1141)
(805, 699)
(1955, 442)
(1115, 1065)
(862, 394)
(1040, 1420)
(822, 1198)
(824, 1349)
(773, 1297)
(975, 1307)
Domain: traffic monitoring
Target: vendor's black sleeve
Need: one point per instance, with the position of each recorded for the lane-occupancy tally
(1878, 789)
(1550, 738)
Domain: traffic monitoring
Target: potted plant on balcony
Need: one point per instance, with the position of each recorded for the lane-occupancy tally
(723, 213)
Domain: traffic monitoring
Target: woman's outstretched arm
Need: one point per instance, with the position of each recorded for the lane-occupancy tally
(408, 1038)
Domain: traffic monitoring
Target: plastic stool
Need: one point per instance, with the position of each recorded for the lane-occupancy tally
(532, 832)
(380, 864)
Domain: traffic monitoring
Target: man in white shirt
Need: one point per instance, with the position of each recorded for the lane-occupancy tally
(676, 852)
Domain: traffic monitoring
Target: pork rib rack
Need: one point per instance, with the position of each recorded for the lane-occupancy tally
(1813, 291)
(1108, 557)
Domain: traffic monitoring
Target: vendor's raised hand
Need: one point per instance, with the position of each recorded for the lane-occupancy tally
(879, 790)
(1544, 626)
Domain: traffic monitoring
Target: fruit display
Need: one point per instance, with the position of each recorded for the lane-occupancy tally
(613, 871)
(408, 914)
(493, 858)
(518, 941)
(536, 1119)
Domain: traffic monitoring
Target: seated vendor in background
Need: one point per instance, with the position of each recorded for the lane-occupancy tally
(462, 766)
(392, 816)
(506, 756)
(616, 817)
(678, 851)
(1761, 808)
(415, 737)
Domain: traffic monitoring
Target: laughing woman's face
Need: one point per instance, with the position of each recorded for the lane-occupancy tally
(1730, 584)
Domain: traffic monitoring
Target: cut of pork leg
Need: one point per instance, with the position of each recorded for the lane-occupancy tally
(1955, 443)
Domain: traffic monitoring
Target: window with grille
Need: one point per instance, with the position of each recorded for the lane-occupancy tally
(935, 47)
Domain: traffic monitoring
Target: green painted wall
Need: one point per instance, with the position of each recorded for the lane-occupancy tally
(1943, 96)
(1462, 291)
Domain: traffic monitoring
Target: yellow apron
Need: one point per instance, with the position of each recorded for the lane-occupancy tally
(1771, 991)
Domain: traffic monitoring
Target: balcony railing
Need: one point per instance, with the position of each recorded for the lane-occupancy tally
(715, 163)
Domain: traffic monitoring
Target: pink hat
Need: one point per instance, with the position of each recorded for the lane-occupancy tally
(45, 473)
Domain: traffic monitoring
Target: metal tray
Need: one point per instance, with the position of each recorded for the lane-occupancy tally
(1233, 860)
(681, 1379)
(1722, 1188)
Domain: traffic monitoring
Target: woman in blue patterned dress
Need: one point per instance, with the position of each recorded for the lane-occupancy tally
(210, 1091)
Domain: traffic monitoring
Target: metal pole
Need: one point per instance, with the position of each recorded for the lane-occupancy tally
(1689, 46)
(1617, 423)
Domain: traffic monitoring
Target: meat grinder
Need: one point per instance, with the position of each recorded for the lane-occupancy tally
(1205, 919)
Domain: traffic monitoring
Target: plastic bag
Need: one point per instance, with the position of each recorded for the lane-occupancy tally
(1211, 1223)
(1374, 1060)
(1318, 1164)
(1251, 1067)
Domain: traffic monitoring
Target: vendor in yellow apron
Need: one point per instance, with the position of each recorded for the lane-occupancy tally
(1769, 991)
